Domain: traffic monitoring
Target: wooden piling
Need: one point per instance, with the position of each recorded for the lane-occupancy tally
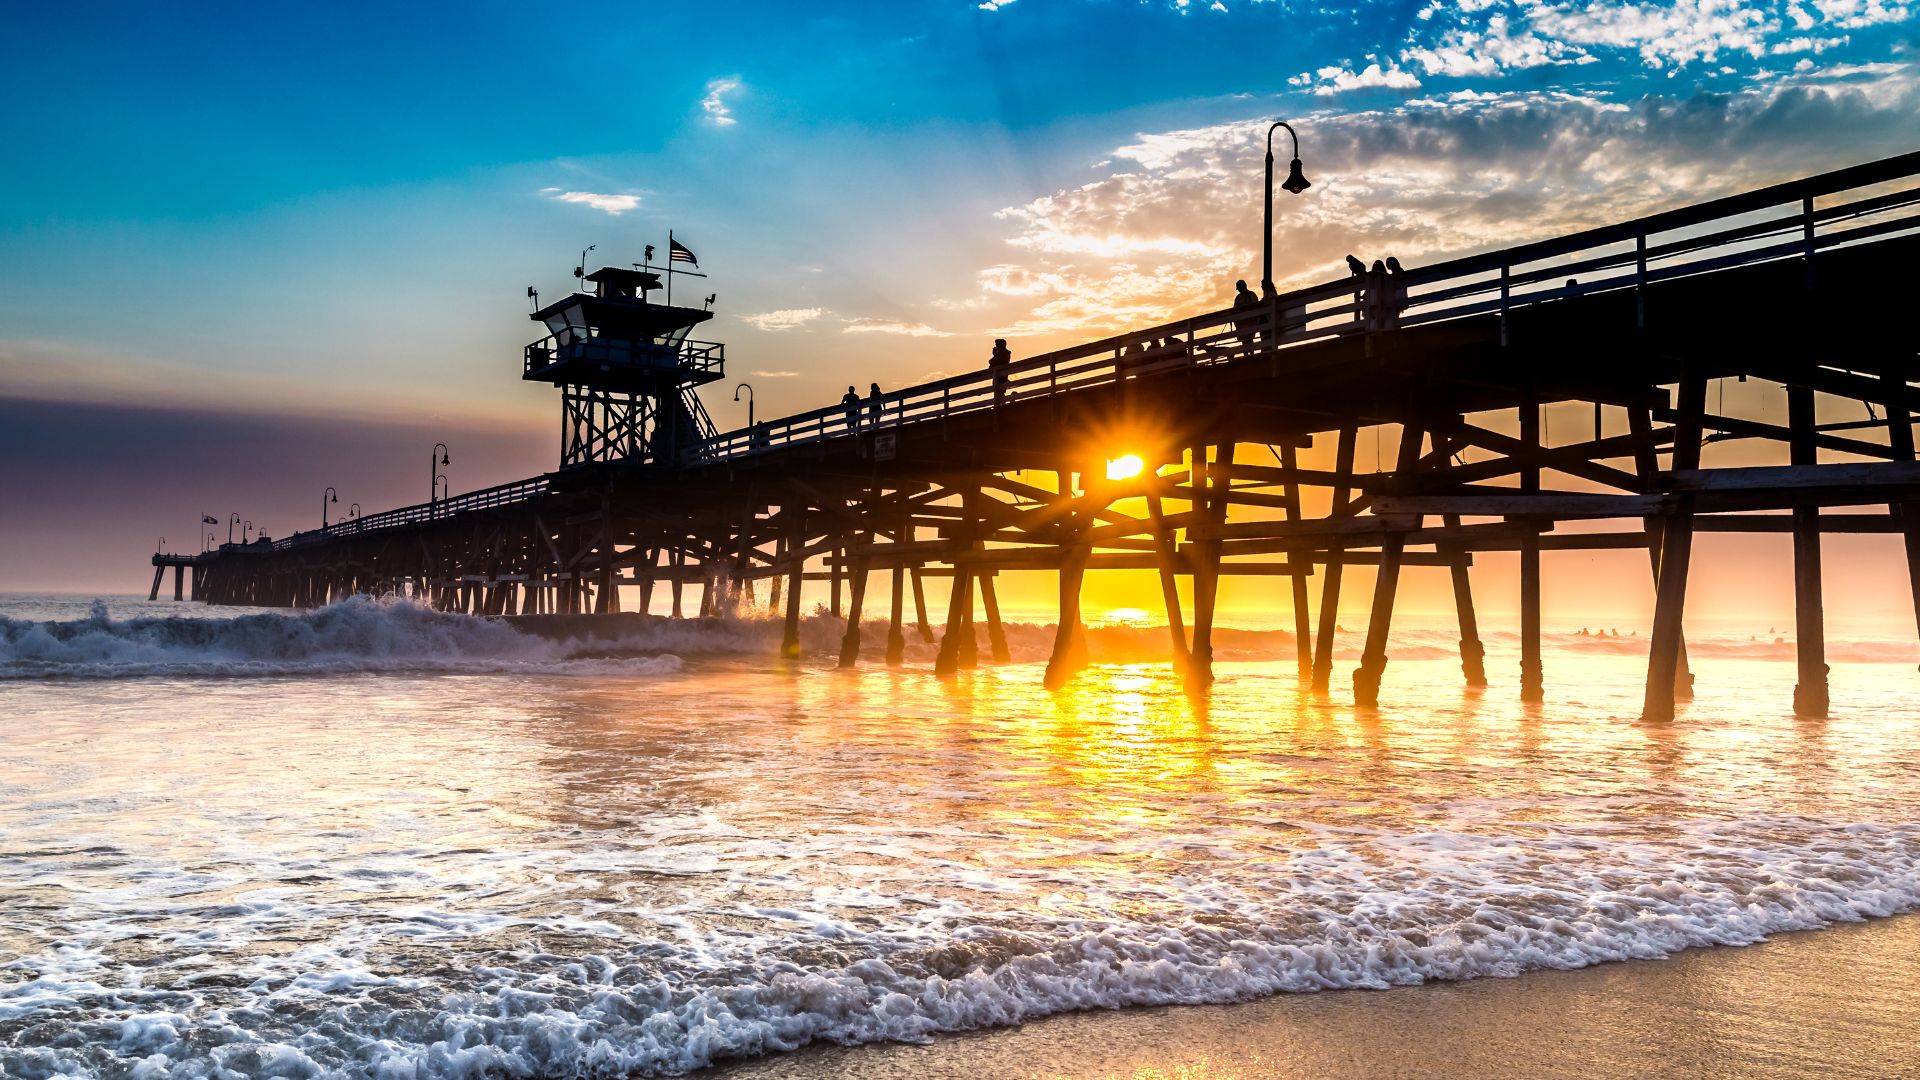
(159, 572)
(896, 641)
(920, 606)
(790, 631)
(1164, 561)
(1676, 553)
(1206, 563)
(1373, 658)
(1302, 618)
(1647, 466)
(948, 660)
(1900, 444)
(1330, 583)
(1532, 672)
(850, 641)
(679, 561)
(1068, 648)
(996, 634)
(1810, 639)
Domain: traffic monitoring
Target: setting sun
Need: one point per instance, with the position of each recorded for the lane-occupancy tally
(1126, 467)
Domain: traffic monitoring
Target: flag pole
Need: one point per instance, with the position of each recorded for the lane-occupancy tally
(669, 267)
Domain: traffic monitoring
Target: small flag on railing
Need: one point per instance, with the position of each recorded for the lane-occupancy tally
(679, 252)
(205, 520)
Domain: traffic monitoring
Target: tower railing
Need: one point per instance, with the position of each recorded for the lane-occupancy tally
(701, 357)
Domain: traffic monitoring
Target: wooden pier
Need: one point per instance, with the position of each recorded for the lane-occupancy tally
(1801, 287)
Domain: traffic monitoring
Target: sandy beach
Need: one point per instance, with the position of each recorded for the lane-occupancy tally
(1841, 1002)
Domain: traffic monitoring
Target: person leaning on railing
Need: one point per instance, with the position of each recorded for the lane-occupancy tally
(998, 363)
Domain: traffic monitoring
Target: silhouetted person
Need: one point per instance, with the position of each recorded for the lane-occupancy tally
(1243, 299)
(873, 404)
(1359, 271)
(998, 363)
(852, 402)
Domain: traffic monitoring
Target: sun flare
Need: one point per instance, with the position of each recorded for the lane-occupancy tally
(1125, 467)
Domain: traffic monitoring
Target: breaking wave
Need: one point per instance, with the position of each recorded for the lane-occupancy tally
(364, 634)
(905, 967)
(360, 634)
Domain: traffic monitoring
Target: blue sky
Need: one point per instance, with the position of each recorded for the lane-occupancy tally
(332, 211)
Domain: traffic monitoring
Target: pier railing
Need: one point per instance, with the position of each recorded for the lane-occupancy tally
(485, 499)
(1786, 221)
(1794, 220)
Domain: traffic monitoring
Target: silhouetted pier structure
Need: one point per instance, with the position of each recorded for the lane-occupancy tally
(1804, 285)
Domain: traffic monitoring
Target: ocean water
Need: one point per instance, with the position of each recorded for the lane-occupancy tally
(376, 841)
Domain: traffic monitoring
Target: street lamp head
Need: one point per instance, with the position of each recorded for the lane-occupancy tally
(444, 460)
(1296, 180)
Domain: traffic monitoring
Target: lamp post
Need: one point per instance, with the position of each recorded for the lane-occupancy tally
(748, 387)
(245, 528)
(162, 546)
(327, 496)
(231, 522)
(353, 511)
(1295, 184)
(435, 460)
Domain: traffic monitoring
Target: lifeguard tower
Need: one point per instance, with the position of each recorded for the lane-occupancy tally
(626, 371)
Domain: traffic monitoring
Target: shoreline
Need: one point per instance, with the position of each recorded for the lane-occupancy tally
(1838, 1001)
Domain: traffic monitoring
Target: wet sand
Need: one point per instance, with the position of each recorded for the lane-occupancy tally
(1841, 1002)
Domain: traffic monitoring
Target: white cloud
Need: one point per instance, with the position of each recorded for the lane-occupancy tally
(891, 326)
(1855, 14)
(1335, 79)
(718, 110)
(608, 204)
(1490, 38)
(773, 374)
(994, 5)
(1433, 178)
(784, 319)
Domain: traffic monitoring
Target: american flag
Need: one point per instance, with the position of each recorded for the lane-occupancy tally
(679, 252)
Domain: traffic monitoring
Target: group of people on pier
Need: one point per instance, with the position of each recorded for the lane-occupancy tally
(851, 399)
(1379, 295)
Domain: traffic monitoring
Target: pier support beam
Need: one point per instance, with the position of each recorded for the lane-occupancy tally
(1646, 465)
(1373, 660)
(1206, 562)
(790, 631)
(1900, 443)
(679, 560)
(1069, 654)
(179, 582)
(850, 641)
(1532, 672)
(897, 641)
(958, 602)
(1473, 654)
(159, 572)
(1809, 622)
(1068, 647)
(1676, 553)
(996, 634)
(1330, 583)
(1164, 556)
(920, 607)
(1302, 618)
